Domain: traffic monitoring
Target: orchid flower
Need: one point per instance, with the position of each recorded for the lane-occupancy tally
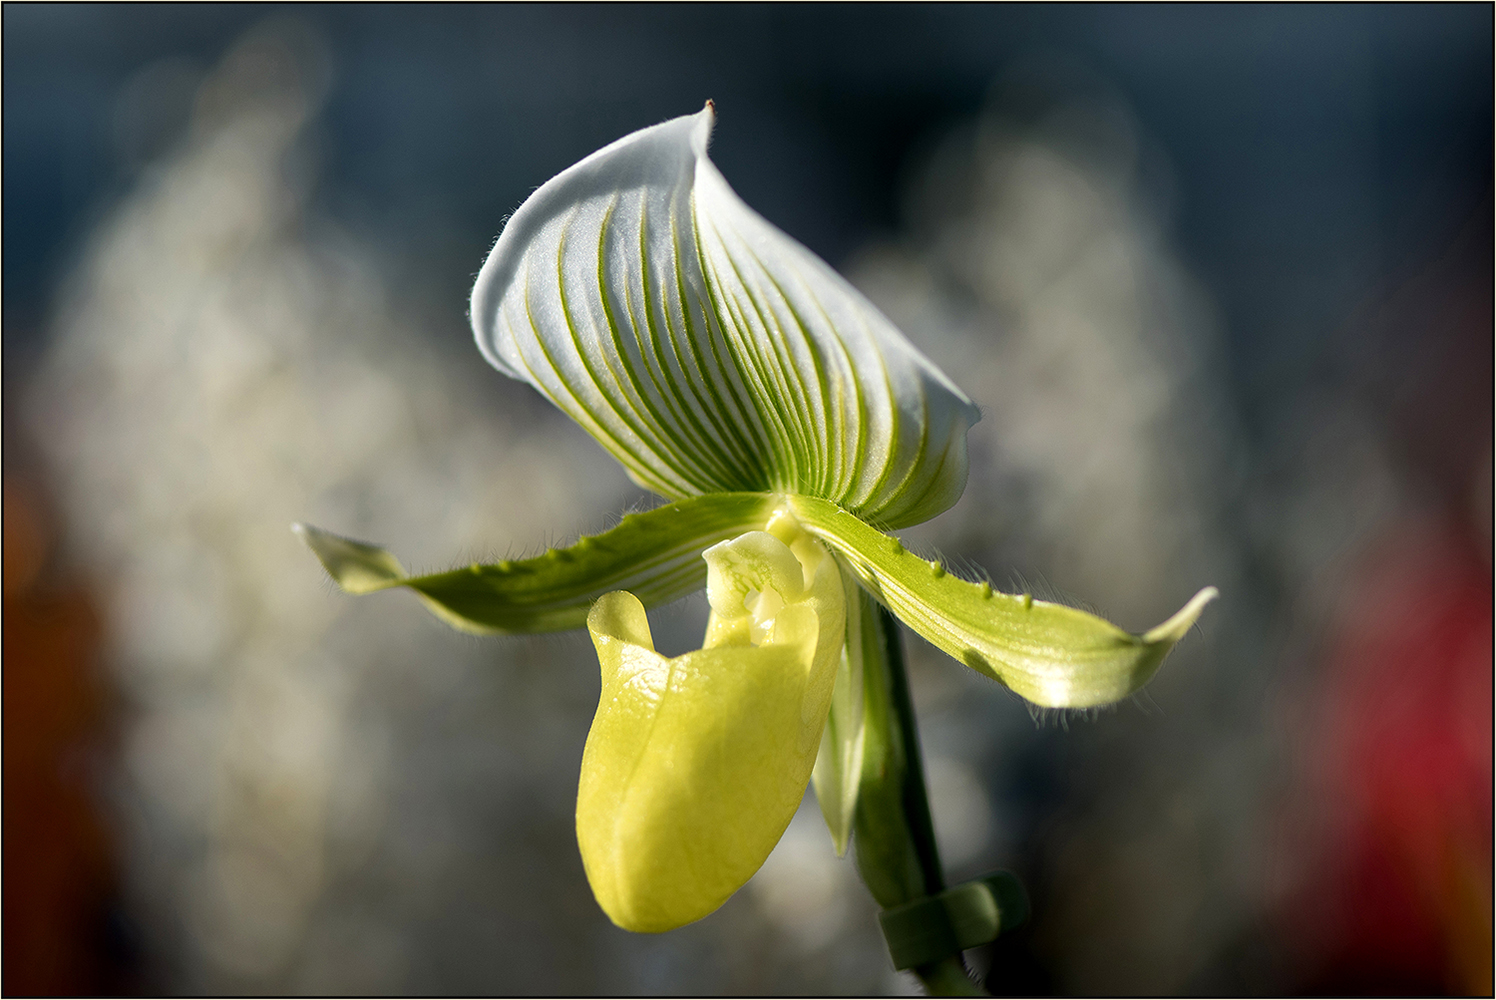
(790, 426)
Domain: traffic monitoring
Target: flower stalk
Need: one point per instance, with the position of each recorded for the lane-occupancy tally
(896, 852)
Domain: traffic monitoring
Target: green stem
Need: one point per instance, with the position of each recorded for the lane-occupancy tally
(895, 837)
(915, 799)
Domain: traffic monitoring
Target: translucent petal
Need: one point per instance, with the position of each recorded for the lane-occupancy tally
(1050, 654)
(707, 350)
(694, 765)
(656, 555)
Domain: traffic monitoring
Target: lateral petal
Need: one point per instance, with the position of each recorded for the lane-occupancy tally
(1052, 655)
(655, 554)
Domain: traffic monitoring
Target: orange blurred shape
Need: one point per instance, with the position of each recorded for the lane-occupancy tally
(59, 870)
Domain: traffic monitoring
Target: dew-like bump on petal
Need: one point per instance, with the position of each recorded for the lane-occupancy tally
(694, 765)
(1052, 655)
(707, 350)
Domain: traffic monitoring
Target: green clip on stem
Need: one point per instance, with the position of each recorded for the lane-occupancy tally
(971, 914)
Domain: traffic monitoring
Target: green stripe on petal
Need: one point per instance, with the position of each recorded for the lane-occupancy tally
(1052, 655)
(655, 555)
(704, 348)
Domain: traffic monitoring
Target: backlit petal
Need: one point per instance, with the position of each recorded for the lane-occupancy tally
(707, 350)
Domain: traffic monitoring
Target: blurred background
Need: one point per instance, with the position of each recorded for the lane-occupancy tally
(1219, 278)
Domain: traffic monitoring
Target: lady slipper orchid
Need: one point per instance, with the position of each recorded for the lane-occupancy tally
(790, 425)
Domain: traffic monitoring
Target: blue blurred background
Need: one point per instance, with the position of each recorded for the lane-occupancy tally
(1219, 277)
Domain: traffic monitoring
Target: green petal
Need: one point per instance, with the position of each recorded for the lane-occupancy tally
(707, 350)
(1050, 654)
(656, 555)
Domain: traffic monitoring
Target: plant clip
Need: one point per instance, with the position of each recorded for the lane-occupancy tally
(964, 916)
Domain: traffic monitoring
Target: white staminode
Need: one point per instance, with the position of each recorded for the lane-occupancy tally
(707, 350)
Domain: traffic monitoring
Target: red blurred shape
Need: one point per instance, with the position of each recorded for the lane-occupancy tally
(1401, 900)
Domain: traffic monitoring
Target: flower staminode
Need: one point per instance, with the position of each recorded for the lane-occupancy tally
(789, 424)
